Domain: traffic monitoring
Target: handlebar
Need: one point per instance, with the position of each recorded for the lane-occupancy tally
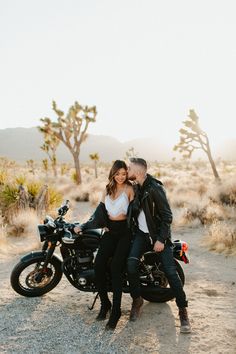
(64, 208)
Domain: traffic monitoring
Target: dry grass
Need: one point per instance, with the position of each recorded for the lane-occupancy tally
(3, 238)
(195, 198)
(221, 237)
(10, 243)
(24, 223)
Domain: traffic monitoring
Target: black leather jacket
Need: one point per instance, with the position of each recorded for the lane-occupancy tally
(97, 220)
(151, 197)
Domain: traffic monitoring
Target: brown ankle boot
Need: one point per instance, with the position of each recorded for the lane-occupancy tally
(184, 321)
(136, 308)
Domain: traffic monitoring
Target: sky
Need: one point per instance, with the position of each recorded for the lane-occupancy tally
(143, 63)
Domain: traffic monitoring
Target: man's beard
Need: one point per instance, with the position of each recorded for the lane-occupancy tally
(132, 178)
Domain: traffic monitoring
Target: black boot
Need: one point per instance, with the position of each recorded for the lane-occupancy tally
(105, 308)
(114, 318)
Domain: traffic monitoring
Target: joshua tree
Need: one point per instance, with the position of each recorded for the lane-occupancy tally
(45, 165)
(130, 153)
(192, 138)
(50, 145)
(31, 165)
(95, 157)
(71, 129)
(64, 169)
(41, 201)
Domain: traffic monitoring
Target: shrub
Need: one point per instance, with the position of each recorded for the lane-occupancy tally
(73, 176)
(20, 180)
(3, 238)
(224, 193)
(205, 213)
(3, 177)
(33, 188)
(221, 237)
(9, 195)
(82, 197)
(55, 198)
(35, 196)
(64, 169)
(24, 222)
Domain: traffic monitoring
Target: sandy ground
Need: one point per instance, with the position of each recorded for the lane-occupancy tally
(61, 322)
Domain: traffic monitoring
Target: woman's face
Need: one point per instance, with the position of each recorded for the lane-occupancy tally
(120, 176)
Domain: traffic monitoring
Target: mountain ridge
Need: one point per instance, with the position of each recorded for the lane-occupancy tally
(21, 144)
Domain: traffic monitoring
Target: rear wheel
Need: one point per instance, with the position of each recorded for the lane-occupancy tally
(162, 291)
(30, 278)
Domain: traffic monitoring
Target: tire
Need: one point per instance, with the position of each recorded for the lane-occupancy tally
(161, 294)
(28, 286)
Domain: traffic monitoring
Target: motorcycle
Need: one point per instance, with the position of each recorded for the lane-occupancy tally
(39, 272)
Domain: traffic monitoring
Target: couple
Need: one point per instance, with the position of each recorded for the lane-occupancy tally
(144, 209)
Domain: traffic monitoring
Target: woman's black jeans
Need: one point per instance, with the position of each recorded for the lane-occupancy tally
(116, 244)
(141, 243)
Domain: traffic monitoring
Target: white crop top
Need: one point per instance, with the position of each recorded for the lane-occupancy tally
(117, 206)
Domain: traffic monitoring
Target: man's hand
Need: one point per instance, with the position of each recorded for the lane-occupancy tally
(77, 229)
(158, 246)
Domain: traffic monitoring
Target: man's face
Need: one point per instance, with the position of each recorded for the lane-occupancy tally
(132, 171)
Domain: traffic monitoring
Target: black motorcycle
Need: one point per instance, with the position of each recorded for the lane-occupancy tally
(37, 273)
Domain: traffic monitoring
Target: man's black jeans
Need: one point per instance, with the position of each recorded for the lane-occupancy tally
(141, 243)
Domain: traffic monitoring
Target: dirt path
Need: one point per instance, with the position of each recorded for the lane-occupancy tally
(60, 321)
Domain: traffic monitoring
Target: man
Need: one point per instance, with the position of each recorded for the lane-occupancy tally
(153, 221)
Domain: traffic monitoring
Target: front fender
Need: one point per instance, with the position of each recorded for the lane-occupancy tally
(36, 254)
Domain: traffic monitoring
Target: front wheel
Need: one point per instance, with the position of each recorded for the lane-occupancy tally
(29, 278)
(162, 293)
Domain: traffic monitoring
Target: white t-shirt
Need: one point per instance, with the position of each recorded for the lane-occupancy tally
(142, 223)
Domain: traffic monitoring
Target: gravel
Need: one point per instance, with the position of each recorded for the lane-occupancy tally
(60, 321)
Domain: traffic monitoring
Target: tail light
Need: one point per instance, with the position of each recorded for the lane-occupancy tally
(180, 250)
(184, 246)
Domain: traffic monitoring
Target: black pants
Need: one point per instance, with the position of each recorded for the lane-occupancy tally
(141, 243)
(115, 244)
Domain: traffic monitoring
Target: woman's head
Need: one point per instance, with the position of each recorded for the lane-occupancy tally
(117, 176)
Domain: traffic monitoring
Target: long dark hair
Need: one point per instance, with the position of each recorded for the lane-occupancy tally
(111, 186)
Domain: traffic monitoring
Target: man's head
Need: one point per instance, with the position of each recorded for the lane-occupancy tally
(137, 168)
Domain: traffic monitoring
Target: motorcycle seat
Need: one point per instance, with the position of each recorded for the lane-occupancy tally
(94, 232)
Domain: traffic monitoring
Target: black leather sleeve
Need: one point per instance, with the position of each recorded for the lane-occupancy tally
(97, 220)
(163, 212)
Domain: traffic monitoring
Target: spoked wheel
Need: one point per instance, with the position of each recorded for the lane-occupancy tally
(160, 291)
(30, 278)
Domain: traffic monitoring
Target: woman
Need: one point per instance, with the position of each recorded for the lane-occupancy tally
(111, 213)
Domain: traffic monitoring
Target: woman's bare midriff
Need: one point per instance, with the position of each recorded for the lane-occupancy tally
(118, 218)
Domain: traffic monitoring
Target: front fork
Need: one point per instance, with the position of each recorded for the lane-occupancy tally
(48, 248)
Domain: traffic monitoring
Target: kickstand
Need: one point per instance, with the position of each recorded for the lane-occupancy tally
(94, 301)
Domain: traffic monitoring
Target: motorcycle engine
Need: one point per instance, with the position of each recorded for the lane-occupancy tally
(85, 276)
(85, 258)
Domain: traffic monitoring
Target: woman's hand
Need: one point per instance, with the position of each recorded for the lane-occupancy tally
(77, 229)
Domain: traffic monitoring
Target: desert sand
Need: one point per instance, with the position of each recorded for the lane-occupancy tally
(61, 322)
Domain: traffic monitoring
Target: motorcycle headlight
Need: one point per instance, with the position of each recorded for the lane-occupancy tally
(43, 232)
